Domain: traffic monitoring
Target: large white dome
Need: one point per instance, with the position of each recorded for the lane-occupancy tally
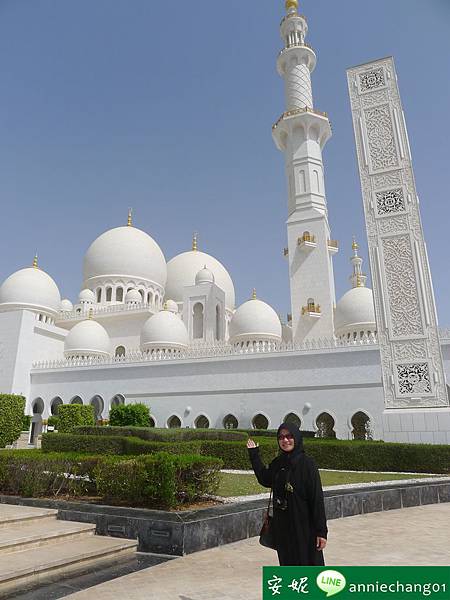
(125, 252)
(255, 321)
(355, 312)
(87, 338)
(164, 330)
(183, 268)
(30, 288)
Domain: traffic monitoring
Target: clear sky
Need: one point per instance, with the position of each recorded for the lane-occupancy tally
(167, 107)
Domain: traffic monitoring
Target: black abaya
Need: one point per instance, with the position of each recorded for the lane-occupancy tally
(298, 515)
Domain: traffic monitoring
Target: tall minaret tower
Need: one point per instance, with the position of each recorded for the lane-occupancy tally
(301, 132)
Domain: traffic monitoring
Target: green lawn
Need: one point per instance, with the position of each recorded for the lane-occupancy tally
(242, 485)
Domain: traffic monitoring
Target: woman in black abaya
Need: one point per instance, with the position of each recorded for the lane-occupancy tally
(299, 521)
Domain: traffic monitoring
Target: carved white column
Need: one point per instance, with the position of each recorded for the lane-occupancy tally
(412, 368)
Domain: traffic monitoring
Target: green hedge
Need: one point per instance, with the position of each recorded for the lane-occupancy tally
(32, 473)
(165, 435)
(74, 415)
(12, 409)
(159, 480)
(113, 444)
(130, 415)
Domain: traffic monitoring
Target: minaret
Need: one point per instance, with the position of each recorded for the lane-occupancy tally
(357, 278)
(301, 132)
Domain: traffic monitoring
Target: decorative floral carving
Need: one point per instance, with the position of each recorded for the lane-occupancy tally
(413, 378)
(393, 225)
(406, 319)
(390, 201)
(387, 179)
(380, 133)
(375, 98)
(371, 80)
(410, 350)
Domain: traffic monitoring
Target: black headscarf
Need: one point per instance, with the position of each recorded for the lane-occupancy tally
(287, 461)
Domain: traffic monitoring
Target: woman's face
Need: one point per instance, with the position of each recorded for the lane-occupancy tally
(286, 440)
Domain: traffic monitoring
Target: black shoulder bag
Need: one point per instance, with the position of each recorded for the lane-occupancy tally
(266, 536)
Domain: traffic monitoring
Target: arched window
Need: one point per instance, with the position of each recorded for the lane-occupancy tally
(54, 405)
(156, 300)
(99, 405)
(173, 422)
(149, 298)
(311, 306)
(201, 422)
(117, 399)
(217, 322)
(197, 321)
(120, 351)
(292, 418)
(152, 422)
(325, 426)
(76, 400)
(99, 295)
(260, 422)
(119, 294)
(38, 406)
(361, 426)
(142, 293)
(230, 422)
(108, 294)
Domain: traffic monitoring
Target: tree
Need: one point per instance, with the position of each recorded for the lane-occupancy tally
(12, 409)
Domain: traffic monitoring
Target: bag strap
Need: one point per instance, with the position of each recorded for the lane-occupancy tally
(270, 500)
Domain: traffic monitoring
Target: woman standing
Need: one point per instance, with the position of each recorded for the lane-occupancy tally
(299, 521)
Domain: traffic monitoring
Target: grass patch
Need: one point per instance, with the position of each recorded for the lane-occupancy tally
(244, 485)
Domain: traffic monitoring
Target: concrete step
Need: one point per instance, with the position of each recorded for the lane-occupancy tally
(25, 568)
(17, 516)
(36, 533)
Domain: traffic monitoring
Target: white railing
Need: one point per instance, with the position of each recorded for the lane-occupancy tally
(100, 310)
(206, 351)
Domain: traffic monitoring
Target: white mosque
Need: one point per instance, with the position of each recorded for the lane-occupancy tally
(169, 334)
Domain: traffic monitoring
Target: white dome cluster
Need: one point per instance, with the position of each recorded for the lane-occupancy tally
(125, 252)
(183, 269)
(255, 321)
(31, 289)
(164, 331)
(87, 338)
(86, 296)
(133, 297)
(355, 313)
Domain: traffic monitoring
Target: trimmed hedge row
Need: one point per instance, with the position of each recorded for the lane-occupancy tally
(159, 480)
(113, 445)
(11, 418)
(74, 415)
(165, 435)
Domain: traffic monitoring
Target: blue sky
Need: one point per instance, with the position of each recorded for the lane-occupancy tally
(168, 107)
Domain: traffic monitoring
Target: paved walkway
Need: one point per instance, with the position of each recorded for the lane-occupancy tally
(410, 536)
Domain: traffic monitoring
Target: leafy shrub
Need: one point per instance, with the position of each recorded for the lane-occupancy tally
(113, 445)
(26, 422)
(11, 418)
(53, 421)
(160, 480)
(166, 435)
(74, 415)
(131, 415)
(32, 473)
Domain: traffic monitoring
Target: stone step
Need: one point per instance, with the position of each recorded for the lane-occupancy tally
(25, 568)
(17, 516)
(36, 533)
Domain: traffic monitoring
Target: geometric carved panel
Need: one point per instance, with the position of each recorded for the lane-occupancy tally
(390, 201)
(371, 80)
(380, 134)
(413, 378)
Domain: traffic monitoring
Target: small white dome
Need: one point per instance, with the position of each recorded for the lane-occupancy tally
(255, 321)
(355, 312)
(32, 289)
(164, 331)
(133, 297)
(171, 306)
(125, 252)
(66, 305)
(182, 269)
(204, 276)
(87, 338)
(86, 297)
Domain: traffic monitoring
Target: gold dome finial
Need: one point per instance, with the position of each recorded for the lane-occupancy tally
(254, 294)
(291, 5)
(91, 314)
(130, 218)
(165, 305)
(355, 244)
(35, 261)
(194, 241)
(359, 282)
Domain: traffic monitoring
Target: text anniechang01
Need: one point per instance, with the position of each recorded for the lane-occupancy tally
(392, 588)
